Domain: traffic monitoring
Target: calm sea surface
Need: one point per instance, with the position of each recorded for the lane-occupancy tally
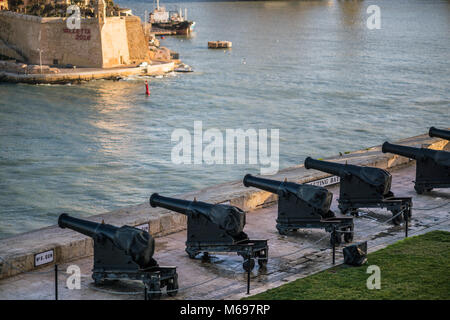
(310, 68)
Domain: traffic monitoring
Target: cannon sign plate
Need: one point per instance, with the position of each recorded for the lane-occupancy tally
(329, 181)
(143, 227)
(44, 257)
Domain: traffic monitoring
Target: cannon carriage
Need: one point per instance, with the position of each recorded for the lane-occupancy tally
(215, 228)
(364, 187)
(124, 253)
(432, 166)
(302, 206)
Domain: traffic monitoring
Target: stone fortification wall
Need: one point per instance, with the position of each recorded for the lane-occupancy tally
(120, 41)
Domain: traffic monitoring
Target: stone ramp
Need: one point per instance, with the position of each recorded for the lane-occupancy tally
(18, 252)
(290, 257)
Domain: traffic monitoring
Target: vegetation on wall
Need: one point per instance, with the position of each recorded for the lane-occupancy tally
(42, 9)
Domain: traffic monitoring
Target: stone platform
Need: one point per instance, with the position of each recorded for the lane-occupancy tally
(297, 255)
(17, 253)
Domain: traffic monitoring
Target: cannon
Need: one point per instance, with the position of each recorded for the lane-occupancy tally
(304, 206)
(439, 133)
(215, 228)
(364, 187)
(432, 166)
(124, 253)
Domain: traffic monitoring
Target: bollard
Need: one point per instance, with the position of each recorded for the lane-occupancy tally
(333, 235)
(145, 293)
(147, 90)
(56, 282)
(406, 226)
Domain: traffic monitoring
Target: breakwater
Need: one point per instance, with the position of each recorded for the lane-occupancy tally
(87, 74)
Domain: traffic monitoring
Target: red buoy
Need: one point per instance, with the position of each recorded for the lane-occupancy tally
(147, 90)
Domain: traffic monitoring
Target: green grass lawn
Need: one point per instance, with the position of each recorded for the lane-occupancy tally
(415, 268)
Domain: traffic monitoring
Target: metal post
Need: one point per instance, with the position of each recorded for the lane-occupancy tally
(56, 282)
(406, 225)
(145, 293)
(248, 276)
(333, 235)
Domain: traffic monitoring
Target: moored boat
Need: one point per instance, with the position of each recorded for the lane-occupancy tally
(170, 22)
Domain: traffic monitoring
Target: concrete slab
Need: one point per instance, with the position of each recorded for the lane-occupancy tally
(290, 257)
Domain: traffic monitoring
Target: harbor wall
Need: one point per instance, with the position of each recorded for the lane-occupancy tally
(115, 43)
(18, 253)
(60, 45)
(137, 41)
(86, 74)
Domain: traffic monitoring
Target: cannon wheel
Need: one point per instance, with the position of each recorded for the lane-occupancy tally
(248, 264)
(191, 253)
(398, 220)
(344, 210)
(336, 238)
(262, 262)
(98, 279)
(349, 211)
(154, 291)
(172, 286)
(348, 236)
(419, 189)
(283, 231)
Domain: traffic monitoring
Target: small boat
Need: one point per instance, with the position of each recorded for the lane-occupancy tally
(183, 68)
(165, 22)
(219, 44)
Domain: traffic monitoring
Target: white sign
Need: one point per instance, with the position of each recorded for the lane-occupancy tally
(44, 257)
(143, 227)
(326, 181)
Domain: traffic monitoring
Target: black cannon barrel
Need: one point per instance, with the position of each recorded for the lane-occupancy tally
(325, 166)
(318, 197)
(137, 243)
(86, 227)
(179, 205)
(409, 152)
(439, 133)
(229, 218)
(264, 184)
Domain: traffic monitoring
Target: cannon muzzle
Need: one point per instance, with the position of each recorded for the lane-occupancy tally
(409, 152)
(86, 227)
(325, 166)
(177, 205)
(439, 133)
(272, 186)
(137, 243)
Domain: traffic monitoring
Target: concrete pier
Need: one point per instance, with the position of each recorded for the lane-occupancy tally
(87, 74)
